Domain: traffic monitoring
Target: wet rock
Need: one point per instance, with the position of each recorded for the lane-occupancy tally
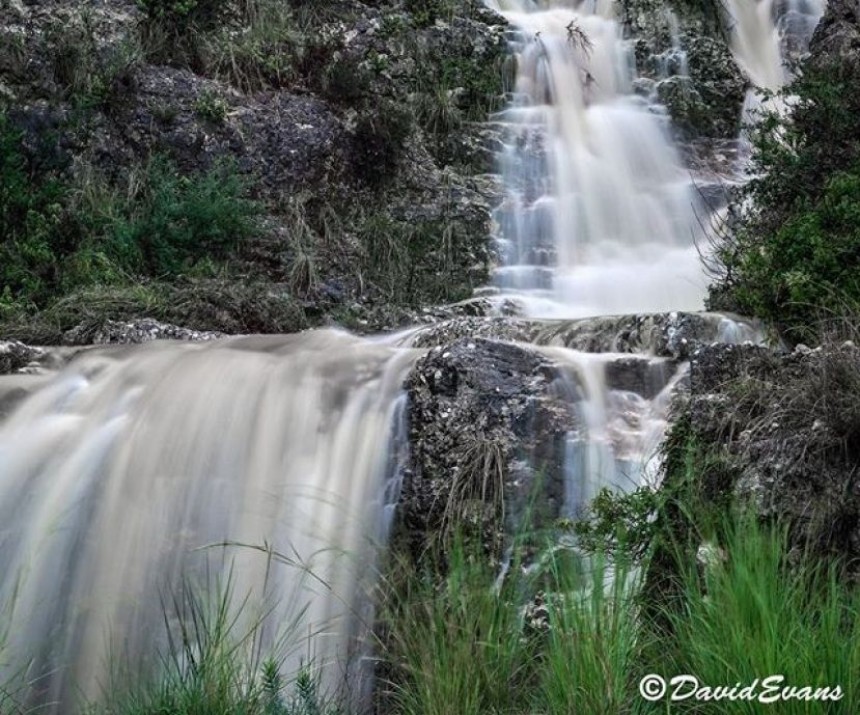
(487, 430)
(787, 429)
(672, 335)
(16, 356)
(131, 333)
(705, 101)
(668, 335)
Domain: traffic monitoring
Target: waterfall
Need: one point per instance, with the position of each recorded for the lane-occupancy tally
(623, 405)
(132, 471)
(764, 35)
(600, 216)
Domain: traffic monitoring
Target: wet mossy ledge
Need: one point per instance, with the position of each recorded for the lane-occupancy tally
(257, 166)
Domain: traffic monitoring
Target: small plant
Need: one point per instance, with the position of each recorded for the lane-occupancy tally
(260, 52)
(477, 494)
(211, 106)
(439, 110)
(619, 523)
(301, 240)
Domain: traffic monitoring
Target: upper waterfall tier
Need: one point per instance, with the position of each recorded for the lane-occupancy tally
(600, 215)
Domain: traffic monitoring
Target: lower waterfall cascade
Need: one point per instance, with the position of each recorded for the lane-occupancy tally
(270, 465)
(136, 471)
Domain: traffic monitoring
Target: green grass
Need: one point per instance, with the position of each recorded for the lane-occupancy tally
(566, 636)
(213, 665)
(754, 614)
(750, 612)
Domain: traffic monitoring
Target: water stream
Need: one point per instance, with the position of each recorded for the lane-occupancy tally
(125, 476)
(600, 217)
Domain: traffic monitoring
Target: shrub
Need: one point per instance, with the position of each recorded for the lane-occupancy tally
(174, 221)
(32, 221)
(811, 262)
(790, 250)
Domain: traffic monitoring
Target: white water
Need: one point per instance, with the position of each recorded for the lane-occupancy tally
(120, 478)
(764, 34)
(761, 32)
(600, 216)
(620, 428)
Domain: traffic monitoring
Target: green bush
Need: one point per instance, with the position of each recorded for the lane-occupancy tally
(175, 221)
(790, 251)
(32, 221)
(58, 234)
(810, 263)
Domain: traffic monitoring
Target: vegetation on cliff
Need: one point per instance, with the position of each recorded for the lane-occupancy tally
(323, 156)
(790, 251)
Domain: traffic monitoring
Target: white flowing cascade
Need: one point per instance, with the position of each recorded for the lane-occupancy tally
(600, 216)
(122, 479)
(763, 34)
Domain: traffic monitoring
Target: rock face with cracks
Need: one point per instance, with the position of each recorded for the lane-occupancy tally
(785, 428)
(487, 434)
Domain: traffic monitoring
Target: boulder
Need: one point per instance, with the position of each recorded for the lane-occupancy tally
(488, 429)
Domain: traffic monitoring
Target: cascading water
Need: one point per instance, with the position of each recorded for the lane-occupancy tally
(600, 216)
(125, 477)
(621, 425)
(764, 35)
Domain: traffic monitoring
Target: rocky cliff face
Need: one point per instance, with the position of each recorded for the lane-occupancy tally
(358, 126)
(685, 62)
(784, 436)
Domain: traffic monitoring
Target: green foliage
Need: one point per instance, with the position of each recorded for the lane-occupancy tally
(211, 106)
(619, 523)
(751, 614)
(32, 221)
(183, 15)
(790, 253)
(174, 221)
(810, 263)
(58, 234)
(483, 83)
(455, 642)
